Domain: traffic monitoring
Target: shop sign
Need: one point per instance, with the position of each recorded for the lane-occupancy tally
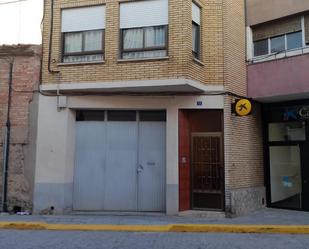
(242, 107)
(296, 113)
(304, 112)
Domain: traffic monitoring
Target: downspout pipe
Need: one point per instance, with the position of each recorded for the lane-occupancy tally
(7, 139)
(51, 31)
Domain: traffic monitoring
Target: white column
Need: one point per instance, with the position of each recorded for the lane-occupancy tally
(172, 179)
(249, 43)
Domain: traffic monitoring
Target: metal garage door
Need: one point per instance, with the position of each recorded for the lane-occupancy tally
(120, 161)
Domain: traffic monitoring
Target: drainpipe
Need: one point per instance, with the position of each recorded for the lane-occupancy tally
(6, 147)
(51, 31)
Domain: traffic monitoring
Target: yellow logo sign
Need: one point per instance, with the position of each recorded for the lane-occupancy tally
(243, 107)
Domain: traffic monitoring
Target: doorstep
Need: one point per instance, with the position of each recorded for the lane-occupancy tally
(115, 213)
(203, 214)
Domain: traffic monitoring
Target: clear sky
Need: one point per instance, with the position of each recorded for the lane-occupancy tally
(20, 23)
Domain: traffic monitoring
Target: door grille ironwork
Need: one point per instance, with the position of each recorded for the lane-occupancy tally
(207, 171)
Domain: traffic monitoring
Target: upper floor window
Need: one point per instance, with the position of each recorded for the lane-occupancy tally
(294, 40)
(196, 30)
(261, 47)
(144, 29)
(278, 36)
(278, 44)
(83, 34)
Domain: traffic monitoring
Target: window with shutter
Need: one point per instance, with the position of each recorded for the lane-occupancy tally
(196, 30)
(144, 29)
(83, 34)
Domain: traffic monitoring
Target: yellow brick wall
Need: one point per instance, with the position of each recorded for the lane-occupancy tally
(212, 44)
(243, 135)
(180, 61)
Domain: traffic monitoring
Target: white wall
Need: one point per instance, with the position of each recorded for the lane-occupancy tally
(55, 142)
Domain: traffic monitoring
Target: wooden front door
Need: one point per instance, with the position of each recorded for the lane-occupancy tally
(207, 171)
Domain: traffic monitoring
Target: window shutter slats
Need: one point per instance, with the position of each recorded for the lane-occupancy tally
(196, 14)
(276, 28)
(143, 13)
(84, 18)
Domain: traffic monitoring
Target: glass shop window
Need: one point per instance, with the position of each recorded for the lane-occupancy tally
(290, 131)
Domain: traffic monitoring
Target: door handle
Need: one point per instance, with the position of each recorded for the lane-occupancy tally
(306, 181)
(140, 168)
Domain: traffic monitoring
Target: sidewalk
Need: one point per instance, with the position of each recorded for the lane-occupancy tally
(263, 221)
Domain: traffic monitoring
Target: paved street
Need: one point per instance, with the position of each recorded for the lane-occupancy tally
(10, 239)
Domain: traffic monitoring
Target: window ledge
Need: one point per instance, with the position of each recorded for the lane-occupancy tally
(143, 59)
(280, 55)
(79, 63)
(197, 61)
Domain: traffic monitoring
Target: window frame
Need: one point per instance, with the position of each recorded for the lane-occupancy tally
(197, 54)
(83, 52)
(269, 52)
(275, 37)
(144, 48)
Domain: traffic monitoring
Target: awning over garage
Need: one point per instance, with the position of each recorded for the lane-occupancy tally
(168, 86)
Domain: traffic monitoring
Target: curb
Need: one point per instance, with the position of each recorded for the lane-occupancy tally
(192, 228)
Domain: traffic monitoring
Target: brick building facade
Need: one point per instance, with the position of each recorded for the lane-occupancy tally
(182, 84)
(26, 60)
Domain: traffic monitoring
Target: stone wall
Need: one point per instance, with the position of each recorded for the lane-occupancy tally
(23, 113)
(246, 200)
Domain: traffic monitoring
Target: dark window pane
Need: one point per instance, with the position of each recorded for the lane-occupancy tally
(195, 39)
(89, 115)
(294, 40)
(261, 47)
(287, 131)
(152, 116)
(277, 44)
(121, 115)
